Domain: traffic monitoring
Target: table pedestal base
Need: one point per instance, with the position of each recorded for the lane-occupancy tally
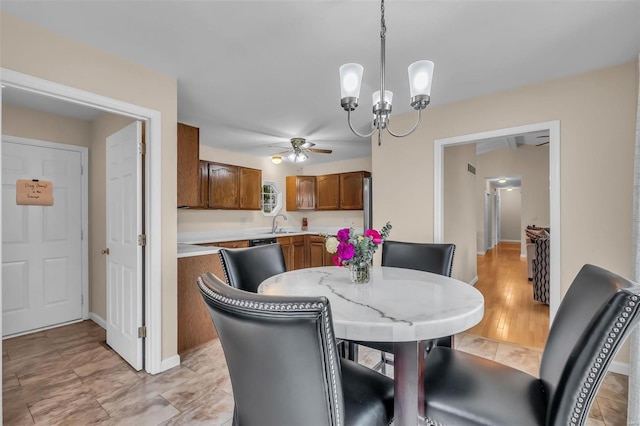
(408, 360)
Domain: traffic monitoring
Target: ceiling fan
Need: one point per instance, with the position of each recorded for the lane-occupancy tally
(298, 152)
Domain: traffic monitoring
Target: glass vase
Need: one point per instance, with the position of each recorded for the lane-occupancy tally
(359, 272)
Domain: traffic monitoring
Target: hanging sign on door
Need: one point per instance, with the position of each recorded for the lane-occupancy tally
(34, 192)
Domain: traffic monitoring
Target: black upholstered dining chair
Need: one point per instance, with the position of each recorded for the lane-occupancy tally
(246, 268)
(427, 257)
(598, 312)
(305, 382)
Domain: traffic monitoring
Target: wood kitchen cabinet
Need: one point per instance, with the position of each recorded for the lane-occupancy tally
(250, 189)
(188, 157)
(351, 190)
(233, 187)
(301, 193)
(328, 192)
(203, 185)
(194, 323)
(340, 191)
(223, 186)
(318, 254)
(294, 250)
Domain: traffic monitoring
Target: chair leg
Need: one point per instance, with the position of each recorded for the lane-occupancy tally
(351, 350)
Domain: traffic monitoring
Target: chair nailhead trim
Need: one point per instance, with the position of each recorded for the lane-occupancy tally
(597, 365)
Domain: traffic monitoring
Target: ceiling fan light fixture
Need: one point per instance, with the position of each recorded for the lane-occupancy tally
(276, 159)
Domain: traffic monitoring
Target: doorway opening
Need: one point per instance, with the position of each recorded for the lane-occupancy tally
(486, 200)
(152, 211)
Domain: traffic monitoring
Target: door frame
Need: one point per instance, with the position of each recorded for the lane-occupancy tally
(553, 127)
(152, 281)
(84, 190)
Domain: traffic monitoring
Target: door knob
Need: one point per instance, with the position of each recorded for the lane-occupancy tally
(105, 251)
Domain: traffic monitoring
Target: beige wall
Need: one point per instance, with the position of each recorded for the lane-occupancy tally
(510, 206)
(460, 210)
(27, 123)
(531, 163)
(212, 220)
(38, 52)
(597, 128)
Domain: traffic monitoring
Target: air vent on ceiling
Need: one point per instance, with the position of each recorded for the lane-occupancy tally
(471, 168)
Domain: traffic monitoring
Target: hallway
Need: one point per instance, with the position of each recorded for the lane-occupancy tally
(511, 314)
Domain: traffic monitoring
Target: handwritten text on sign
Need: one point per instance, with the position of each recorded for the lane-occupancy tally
(34, 192)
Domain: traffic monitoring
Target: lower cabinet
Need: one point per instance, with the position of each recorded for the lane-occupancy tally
(194, 323)
(294, 249)
(318, 254)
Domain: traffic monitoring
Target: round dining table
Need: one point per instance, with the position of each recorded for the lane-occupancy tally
(403, 306)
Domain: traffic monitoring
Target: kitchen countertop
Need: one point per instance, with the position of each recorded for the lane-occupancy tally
(188, 241)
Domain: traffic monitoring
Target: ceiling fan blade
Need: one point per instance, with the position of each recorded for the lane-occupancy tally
(543, 143)
(282, 153)
(319, 151)
(307, 145)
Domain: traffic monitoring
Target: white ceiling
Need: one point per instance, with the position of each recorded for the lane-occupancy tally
(256, 73)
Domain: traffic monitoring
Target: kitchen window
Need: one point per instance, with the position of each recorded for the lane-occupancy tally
(271, 199)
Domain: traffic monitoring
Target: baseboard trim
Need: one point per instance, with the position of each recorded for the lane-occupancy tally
(510, 241)
(523, 255)
(169, 363)
(481, 253)
(98, 320)
(619, 367)
(474, 281)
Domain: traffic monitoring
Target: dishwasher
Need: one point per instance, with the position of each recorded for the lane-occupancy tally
(262, 241)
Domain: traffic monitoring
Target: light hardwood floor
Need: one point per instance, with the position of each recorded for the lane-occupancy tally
(511, 314)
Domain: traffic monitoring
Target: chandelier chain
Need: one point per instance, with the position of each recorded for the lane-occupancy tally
(383, 25)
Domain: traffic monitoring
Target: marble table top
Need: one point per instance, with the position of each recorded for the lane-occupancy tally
(397, 305)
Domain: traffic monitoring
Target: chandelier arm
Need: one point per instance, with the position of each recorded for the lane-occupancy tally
(415, 126)
(355, 132)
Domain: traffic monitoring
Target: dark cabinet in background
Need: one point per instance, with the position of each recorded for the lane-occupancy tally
(188, 153)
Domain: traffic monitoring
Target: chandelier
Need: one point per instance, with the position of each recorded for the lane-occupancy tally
(420, 76)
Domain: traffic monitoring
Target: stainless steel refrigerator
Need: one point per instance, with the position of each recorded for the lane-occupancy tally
(367, 192)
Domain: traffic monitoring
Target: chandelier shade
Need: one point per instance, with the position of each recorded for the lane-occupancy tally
(420, 77)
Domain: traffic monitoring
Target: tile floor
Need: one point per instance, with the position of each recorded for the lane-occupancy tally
(68, 376)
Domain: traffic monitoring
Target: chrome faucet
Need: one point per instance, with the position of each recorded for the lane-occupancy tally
(274, 226)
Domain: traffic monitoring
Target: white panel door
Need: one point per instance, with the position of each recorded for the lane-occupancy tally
(41, 245)
(124, 224)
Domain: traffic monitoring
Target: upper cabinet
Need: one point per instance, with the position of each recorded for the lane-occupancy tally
(250, 189)
(351, 190)
(340, 191)
(211, 185)
(337, 191)
(188, 164)
(328, 192)
(301, 193)
(234, 187)
(223, 186)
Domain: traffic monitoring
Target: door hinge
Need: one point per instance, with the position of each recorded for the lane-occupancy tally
(142, 148)
(81, 234)
(81, 170)
(142, 240)
(82, 300)
(142, 332)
